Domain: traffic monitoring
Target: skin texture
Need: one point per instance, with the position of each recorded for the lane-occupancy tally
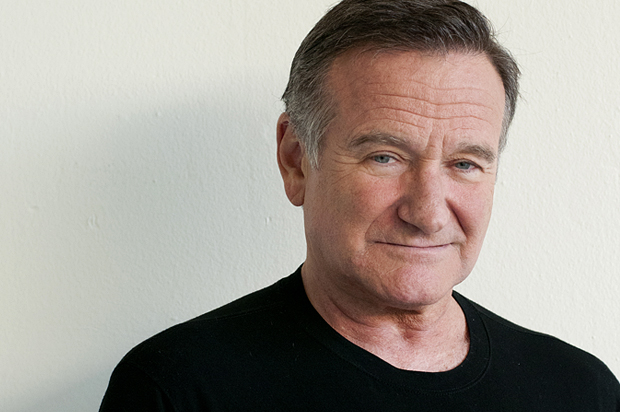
(396, 213)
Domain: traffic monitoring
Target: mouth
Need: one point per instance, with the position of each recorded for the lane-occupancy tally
(419, 245)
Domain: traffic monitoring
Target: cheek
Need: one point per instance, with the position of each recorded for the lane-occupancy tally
(348, 207)
(330, 207)
(474, 212)
(366, 198)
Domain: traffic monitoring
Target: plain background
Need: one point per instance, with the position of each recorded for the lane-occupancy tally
(139, 187)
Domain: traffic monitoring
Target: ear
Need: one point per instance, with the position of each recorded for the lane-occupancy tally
(291, 161)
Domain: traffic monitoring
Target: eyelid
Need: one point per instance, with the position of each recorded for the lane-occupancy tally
(385, 153)
(476, 165)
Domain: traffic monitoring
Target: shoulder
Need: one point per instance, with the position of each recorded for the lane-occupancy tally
(533, 355)
(196, 361)
(221, 336)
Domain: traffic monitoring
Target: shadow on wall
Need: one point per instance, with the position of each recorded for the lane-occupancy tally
(148, 204)
(75, 397)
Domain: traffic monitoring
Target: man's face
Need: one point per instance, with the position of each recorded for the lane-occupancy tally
(397, 211)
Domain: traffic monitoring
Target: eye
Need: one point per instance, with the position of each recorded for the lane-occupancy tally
(382, 158)
(464, 165)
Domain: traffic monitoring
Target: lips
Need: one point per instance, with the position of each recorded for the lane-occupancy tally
(418, 245)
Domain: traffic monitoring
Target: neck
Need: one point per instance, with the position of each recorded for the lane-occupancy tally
(427, 338)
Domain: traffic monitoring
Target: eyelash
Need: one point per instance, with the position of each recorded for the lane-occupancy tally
(383, 155)
(391, 158)
(473, 165)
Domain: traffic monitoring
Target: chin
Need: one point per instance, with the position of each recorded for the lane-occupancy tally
(415, 299)
(412, 289)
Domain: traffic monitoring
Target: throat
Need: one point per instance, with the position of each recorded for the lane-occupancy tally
(440, 348)
(432, 338)
(435, 342)
(435, 355)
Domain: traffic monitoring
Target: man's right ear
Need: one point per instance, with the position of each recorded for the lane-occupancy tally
(292, 161)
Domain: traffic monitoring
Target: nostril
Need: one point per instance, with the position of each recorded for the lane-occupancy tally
(428, 215)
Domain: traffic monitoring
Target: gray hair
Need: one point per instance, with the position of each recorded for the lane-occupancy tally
(430, 26)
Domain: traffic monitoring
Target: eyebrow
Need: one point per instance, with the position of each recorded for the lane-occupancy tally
(377, 138)
(482, 151)
(479, 150)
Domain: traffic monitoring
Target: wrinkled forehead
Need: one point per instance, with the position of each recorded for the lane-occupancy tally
(455, 86)
(441, 78)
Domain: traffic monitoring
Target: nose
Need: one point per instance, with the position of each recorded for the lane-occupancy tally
(424, 203)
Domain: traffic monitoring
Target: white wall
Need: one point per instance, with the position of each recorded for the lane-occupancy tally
(139, 186)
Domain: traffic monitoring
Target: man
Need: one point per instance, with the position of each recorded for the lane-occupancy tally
(396, 114)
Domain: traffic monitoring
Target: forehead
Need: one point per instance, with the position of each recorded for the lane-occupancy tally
(452, 92)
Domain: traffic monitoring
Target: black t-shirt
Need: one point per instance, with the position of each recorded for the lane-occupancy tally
(271, 351)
